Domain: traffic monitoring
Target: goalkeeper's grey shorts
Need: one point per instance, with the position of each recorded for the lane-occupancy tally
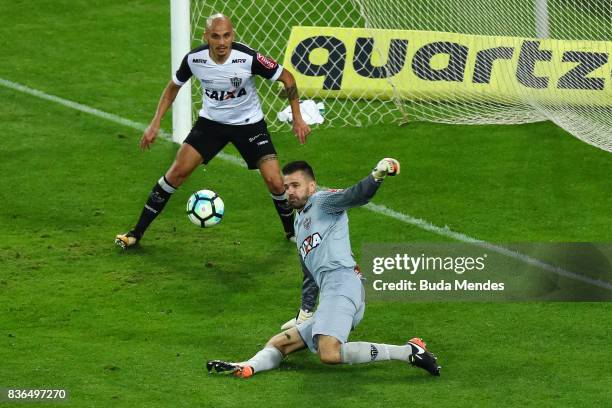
(341, 308)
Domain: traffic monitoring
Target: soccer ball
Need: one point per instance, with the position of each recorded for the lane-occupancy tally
(205, 208)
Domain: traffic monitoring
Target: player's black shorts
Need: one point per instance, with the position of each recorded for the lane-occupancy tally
(252, 141)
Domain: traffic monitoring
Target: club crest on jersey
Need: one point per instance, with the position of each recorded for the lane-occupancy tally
(236, 82)
(307, 222)
(310, 243)
(266, 61)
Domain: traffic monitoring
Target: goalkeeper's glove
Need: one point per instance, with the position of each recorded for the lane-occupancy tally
(301, 317)
(386, 167)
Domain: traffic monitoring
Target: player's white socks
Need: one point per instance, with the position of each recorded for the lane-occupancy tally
(360, 352)
(266, 359)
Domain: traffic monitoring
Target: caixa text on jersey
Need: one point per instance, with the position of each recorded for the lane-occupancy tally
(224, 95)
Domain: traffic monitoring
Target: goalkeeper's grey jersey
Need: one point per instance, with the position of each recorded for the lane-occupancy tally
(321, 227)
(228, 90)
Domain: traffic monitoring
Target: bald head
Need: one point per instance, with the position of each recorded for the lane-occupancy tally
(217, 17)
(219, 35)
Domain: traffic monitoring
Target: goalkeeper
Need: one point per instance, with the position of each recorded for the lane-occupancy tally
(321, 226)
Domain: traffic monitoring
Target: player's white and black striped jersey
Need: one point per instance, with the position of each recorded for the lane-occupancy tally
(228, 90)
(321, 227)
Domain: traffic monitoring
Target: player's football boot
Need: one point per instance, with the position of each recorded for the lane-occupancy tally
(236, 370)
(422, 358)
(126, 240)
(290, 237)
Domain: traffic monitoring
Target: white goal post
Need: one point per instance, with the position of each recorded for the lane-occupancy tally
(180, 28)
(541, 18)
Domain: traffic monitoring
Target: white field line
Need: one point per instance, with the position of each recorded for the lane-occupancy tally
(376, 208)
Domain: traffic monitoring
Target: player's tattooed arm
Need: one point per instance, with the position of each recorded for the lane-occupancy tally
(291, 92)
(300, 127)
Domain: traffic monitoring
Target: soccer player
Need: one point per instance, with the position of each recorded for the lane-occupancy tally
(322, 233)
(231, 112)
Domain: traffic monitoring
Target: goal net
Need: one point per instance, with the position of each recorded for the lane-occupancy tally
(468, 62)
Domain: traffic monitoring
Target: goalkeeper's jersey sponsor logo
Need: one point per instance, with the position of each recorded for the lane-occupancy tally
(310, 243)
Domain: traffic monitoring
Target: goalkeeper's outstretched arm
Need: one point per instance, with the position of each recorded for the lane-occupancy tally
(360, 193)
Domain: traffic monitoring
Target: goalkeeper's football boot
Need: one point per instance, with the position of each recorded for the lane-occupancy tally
(422, 358)
(127, 240)
(236, 370)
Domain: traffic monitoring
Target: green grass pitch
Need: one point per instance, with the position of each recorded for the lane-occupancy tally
(133, 329)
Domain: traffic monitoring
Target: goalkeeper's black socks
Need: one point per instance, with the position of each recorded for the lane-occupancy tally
(155, 204)
(285, 212)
